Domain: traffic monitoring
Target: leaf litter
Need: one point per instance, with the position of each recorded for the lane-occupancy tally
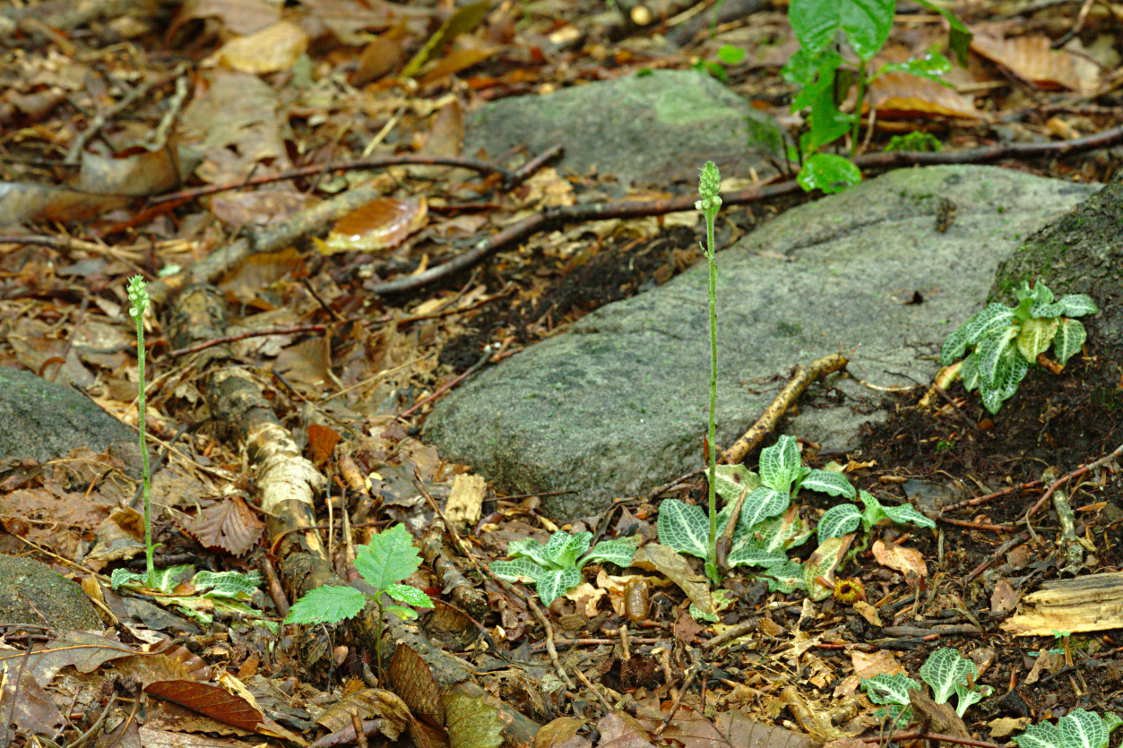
(348, 374)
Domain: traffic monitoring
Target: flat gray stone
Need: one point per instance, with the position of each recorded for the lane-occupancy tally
(33, 593)
(651, 129)
(618, 404)
(44, 420)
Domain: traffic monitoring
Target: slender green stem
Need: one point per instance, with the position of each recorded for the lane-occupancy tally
(149, 563)
(711, 547)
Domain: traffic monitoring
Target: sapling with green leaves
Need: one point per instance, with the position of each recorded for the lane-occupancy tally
(554, 567)
(821, 26)
(1005, 341)
(946, 671)
(383, 563)
(709, 190)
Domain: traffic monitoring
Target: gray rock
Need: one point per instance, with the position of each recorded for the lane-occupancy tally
(651, 129)
(34, 594)
(44, 421)
(618, 405)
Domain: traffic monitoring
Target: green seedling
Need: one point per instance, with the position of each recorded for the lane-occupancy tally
(917, 140)
(555, 566)
(946, 671)
(826, 29)
(1077, 729)
(383, 563)
(138, 303)
(1005, 341)
(709, 192)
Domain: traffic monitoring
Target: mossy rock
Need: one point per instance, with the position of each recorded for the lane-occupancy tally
(34, 594)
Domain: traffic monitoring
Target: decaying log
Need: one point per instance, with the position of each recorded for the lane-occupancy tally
(1093, 602)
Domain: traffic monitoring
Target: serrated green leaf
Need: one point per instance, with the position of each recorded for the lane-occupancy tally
(556, 582)
(619, 552)
(389, 557)
(907, 514)
(838, 521)
(401, 611)
(407, 593)
(865, 23)
(889, 689)
(684, 527)
(829, 482)
(1069, 340)
(943, 669)
(829, 172)
(1035, 337)
(1077, 305)
(326, 604)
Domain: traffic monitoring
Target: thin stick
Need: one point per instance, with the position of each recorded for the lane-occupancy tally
(1065, 478)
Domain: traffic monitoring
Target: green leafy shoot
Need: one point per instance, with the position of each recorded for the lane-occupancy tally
(555, 566)
(845, 518)
(1077, 729)
(859, 28)
(383, 563)
(945, 671)
(1002, 342)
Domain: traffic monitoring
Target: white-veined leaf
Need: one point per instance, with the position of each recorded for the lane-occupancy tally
(969, 372)
(838, 521)
(818, 570)
(1077, 305)
(517, 570)
(779, 464)
(991, 352)
(776, 534)
(531, 549)
(684, 527)
(1035, 336)
(943, 669)
(1069, 339)
(954, 345)
(990, 320)
(1083, 729)
(619, 551)
(966, 695)
(563, 549)
(731, 480)
(555, 583)
(829, 482)
(747, 554)
(889, 689)
(907, 513)
(1042, 735)
(784, 578)
(761, 504)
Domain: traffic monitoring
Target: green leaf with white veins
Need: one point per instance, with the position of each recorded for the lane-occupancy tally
(731, 480)
(865, 23)
(1077, 729)
(554, 583)
(619, 552)
(775, 534)
(563, 549)
(1035, 336)
(747, 554)
(991, 351)
(684, 527)
(838, 521)
(762, 504)
(991, 319)
(517, 570)
(1077, 305)
(943, 669)
(889, 689)
(531, 549)
(780, 464)
(231, 584)
(907, 514)
(1068, 340)
(965, 696)
(829, 482)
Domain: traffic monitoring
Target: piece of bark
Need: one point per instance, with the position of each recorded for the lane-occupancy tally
(1093, 602)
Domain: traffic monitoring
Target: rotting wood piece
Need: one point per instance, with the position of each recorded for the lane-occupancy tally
(1093, 602)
